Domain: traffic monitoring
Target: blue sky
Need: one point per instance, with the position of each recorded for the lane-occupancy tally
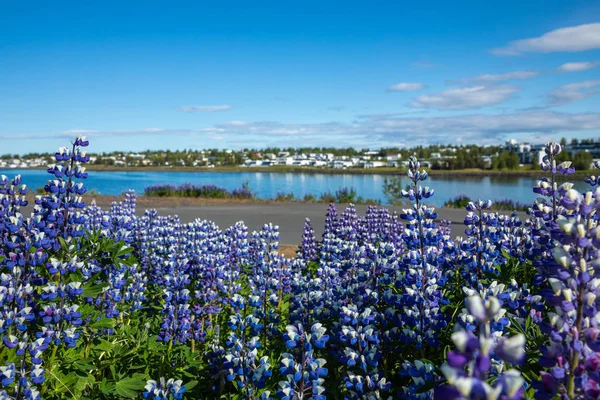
(152, 75)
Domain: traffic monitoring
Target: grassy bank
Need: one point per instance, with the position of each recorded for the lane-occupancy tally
(462, 201)
(145, 202)
(342, 195)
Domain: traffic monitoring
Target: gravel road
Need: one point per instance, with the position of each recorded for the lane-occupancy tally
(289, 217)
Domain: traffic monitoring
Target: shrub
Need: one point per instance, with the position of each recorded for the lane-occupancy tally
(204, 191)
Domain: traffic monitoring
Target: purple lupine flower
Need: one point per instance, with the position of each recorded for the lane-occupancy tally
(308, 249)
(572, 291)
(470, 364)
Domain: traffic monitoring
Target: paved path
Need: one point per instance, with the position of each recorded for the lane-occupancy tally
(289, 217)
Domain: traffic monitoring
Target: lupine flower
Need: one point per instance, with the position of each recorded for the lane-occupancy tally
(304, 373)
(572, 292)
(164, 389)
(469, 366)
(308, 249)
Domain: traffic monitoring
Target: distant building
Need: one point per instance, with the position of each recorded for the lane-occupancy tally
(285, 160)
(592, 148)
(375, 164)
(525, 151)
(487, 161)
(341, 164)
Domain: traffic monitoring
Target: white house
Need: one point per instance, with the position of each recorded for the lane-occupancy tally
(341, 164)
(257, 163)
(375, 164)
(285, 160)
(301, 163)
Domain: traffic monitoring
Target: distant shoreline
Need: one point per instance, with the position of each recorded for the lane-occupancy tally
(328, 171)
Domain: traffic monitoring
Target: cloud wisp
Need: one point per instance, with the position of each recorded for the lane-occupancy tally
(570, 39)
(405, 87)
(204, 109)
(466, 98)
(578, 66)
(573, 92)
(374, 130)
(508, 76)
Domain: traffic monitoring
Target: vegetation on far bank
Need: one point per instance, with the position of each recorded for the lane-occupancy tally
(342, 195)
(462, 201)
(521, 171)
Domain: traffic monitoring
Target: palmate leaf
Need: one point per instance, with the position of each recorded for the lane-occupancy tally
(130, 387)
(92, 289)
(124, 250)
(104, 323)
(83, 382)
(107, 388)
(103, 345)
(83, 365)
(64, 384)
(190, 385)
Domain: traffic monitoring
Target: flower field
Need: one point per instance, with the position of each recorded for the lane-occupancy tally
(107, 304)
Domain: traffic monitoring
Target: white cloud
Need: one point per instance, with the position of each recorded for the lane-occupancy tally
(224, 107)
(573, 92)
(235, 123)
(578, 66)
(405, 87)
(465, 98)
(377, 130)
(502, 77)
(380, 128)
(571, 39)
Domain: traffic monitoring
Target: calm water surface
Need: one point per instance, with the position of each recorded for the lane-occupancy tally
(267, 185)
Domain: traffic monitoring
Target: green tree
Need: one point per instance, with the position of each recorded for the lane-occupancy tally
(392, 189)
(506, 160)
(582, 160)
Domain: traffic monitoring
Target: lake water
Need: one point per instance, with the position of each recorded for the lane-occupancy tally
(267, 185)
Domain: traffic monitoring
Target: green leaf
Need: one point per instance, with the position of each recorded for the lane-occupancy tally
(92, 290)
(82, 365)
(124, 250)
(104, 323)
(106, 387)
(130, 386)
